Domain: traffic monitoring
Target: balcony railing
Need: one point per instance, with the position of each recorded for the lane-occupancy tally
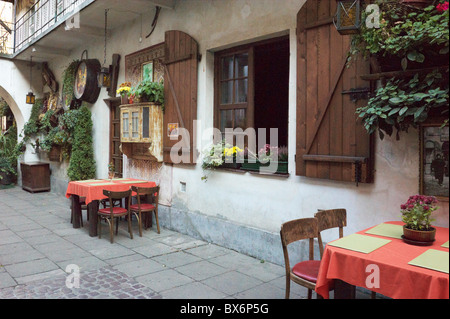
(42, 17)
(6, 44)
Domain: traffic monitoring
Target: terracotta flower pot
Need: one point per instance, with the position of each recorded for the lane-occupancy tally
(419, 235)
(124, 99)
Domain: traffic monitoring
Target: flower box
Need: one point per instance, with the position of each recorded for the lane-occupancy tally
(282, 167)
(233, 165)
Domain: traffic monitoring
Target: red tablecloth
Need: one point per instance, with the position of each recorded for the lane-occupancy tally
(94, 190)
(397, 279)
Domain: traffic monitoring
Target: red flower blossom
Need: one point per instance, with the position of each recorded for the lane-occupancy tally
(442, 6)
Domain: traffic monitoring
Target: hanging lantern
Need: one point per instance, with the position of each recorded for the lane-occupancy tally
(104, 78)
(30, 96)
(348, 16)
(31, 99)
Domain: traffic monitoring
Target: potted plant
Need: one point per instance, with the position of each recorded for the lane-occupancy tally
(148, 91)
(124, 92)
(231, 154)
(266, 156)
(221, 155)
(82, 161)
(416, 214)
(9, 154)
(111, 170)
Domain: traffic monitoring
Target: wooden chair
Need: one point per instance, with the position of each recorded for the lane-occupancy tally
(303, 273)
(113, 213)
(144, 208)
(331, 218)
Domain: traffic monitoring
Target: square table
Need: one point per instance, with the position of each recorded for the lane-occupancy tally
(397, 264)
(92, 190)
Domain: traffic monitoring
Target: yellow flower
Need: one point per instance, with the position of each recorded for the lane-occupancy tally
(122, 90)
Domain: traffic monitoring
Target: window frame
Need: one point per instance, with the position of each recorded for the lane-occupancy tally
(249, 105)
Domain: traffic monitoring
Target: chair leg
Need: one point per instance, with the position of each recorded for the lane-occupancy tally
(140, 223)
(288, 287)
(111, 230)
(99, 226)
(130, 230)
(157, 220)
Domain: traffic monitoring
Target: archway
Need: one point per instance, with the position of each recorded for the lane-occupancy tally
(14, 108)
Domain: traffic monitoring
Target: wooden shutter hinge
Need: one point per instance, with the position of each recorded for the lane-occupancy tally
(360, 172)
(357, 94)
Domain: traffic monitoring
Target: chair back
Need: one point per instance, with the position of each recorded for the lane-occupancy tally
(117, 196)
(295, 230)
(331, 218)
(153, 192)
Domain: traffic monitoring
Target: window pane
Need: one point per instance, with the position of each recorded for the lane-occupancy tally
(126, 127)
(240, 119)
(241, 91)
(226, 119)
(242, 65)
(145, 122)
(135, 124)
(226, 92)
(227, 68)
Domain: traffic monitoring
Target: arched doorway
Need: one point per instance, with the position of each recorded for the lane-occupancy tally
(10, 119)
(18, 116)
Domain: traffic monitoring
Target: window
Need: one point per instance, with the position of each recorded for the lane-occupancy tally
(252, 88)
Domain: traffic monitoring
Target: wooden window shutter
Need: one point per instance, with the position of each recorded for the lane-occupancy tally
(331, 140)
(180, 82)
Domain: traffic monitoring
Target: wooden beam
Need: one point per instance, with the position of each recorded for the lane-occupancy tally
(168, 4)
(377, 76)
(335, 159)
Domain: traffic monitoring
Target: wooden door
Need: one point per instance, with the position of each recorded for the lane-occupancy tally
(331, 140)
(115, 155)
(180, 81)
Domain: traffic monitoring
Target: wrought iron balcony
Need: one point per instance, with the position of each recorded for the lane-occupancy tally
(42, 18)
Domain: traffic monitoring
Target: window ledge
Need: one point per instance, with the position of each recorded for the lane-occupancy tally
(243, 171)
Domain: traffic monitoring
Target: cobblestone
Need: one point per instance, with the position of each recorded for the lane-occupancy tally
(103, 283)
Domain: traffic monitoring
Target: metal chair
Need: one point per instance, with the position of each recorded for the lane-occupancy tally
(144, 208)
(113, 213)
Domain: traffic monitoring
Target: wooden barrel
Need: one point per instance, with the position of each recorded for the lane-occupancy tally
(86, 85)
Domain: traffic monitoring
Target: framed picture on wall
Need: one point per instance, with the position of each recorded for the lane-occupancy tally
(147, 71)
(434, 161)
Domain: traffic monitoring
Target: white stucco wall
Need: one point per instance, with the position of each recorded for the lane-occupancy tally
(257, 201)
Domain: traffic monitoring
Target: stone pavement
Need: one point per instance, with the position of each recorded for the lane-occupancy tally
(38, 242)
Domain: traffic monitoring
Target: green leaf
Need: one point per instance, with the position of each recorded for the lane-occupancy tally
(420, 96)
(412, 55)
(403, 111)
(393, 111)
(404, 64)
(395, 100)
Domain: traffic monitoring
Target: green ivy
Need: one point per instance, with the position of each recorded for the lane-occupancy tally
(407, 35)
(82, 162)
(400, 99)
(406, 32)
(69, 82)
